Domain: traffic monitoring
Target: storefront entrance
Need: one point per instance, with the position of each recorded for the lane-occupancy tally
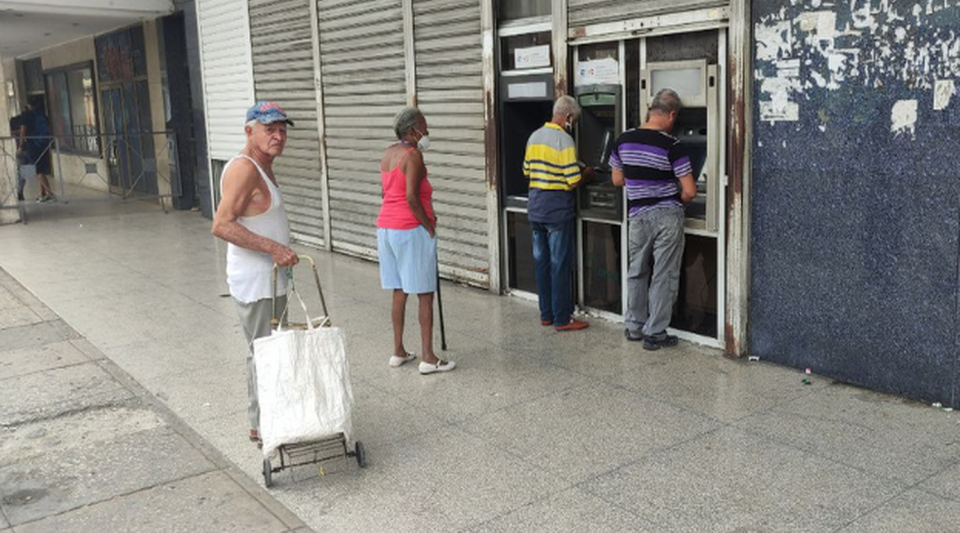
(614, 82)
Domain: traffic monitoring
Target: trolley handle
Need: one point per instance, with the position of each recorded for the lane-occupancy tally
(274, 319)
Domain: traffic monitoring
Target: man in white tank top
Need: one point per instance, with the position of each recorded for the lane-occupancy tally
(253, 221)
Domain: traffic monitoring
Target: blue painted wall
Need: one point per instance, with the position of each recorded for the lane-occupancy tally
(856, 192)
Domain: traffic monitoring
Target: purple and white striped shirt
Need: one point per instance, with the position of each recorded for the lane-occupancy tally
(652, 162)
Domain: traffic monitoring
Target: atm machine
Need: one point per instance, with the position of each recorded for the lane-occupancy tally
(526, 103)
(698, 127)
(628, 74)
(599, 203)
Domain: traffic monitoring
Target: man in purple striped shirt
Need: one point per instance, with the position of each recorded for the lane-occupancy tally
(656, 171)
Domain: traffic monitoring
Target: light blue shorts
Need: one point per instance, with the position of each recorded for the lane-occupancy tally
(408, 260)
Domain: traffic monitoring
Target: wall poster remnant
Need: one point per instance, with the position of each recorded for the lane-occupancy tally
(906, 49)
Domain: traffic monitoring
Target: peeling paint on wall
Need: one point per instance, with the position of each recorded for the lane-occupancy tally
(942, 92)
(903, 118)
(869, 44)
(854, 218)
(780, 88)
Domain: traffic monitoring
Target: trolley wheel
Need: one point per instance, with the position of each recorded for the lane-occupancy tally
(361, 454)
(267, 474)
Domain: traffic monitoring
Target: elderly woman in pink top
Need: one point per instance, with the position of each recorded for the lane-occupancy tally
(406, 236)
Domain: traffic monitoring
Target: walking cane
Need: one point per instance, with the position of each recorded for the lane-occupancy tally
(443, 333)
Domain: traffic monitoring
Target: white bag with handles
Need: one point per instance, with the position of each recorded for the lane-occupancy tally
(303, 384)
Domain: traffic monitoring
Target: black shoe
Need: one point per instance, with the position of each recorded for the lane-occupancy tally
(631, 336)
(20, 197)
(655, 342)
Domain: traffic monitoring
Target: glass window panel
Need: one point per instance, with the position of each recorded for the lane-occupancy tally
(138, 51)
(122, 55)
(78, 112)
(149, 182)
(683, 46)
(601, 267)
(593, 52)
(109, 57)
(696, 306)
(33, 76)
(599, 64)
(685, 81)
(520, 243)
(528, 42)
(125, 49)
(518, 9)
(632, 63)
(72, 111)
(58, 113)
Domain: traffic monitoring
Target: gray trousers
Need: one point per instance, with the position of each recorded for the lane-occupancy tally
(255, 319)
(652, 290)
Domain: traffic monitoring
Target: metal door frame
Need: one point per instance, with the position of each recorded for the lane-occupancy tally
(624, 240)
(720, 234)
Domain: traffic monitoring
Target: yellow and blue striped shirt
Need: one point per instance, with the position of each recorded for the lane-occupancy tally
(551, 166)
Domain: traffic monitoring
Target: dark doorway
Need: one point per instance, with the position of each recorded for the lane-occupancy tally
(179, 109)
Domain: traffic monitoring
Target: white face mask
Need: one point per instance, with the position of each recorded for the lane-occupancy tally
(424, 143)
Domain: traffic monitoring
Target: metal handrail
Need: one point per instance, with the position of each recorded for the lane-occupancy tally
(133, 162)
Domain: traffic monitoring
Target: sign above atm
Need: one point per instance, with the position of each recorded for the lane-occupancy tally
(604, 71)
(532, 57)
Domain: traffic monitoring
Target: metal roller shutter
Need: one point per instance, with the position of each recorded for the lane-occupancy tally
(585, 12)
(449, 63)
(282, 45)
(227, 73)
(362, 57)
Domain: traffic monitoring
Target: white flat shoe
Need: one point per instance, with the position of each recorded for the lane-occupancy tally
(439, 366)
(396, 361)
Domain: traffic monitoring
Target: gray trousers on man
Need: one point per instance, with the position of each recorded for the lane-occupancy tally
(255, 319)
(652, 290)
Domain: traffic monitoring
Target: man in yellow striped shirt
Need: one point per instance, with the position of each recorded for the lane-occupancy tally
(554, 172)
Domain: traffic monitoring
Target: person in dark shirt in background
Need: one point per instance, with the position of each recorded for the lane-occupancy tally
(36, 145)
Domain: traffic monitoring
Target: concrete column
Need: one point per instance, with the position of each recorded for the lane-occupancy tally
(560, 49)
(491, 155)
(738, 199)
(158, 118)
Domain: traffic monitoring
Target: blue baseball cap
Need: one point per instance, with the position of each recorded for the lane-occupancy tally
(267, 113)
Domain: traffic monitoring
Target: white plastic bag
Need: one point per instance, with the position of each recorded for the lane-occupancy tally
(303, 384)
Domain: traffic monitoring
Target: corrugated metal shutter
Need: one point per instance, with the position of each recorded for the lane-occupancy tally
(227, 73)
(585, 12)
(282, 44)
(447, 40)
(362, 58)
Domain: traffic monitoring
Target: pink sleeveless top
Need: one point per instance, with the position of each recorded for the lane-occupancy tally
(395, 212)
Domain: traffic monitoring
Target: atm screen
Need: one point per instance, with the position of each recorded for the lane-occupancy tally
(596, 123)
(691, 129)
(697, 151)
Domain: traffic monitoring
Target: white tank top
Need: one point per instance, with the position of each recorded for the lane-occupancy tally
(249, 272)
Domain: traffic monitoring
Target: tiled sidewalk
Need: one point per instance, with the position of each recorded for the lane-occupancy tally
(535, 430)
(84, 448)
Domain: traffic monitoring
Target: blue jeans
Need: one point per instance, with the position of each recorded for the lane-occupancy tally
(553, 257)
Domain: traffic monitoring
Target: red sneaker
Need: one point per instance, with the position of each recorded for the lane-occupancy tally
(546, 322)
(574, 325)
